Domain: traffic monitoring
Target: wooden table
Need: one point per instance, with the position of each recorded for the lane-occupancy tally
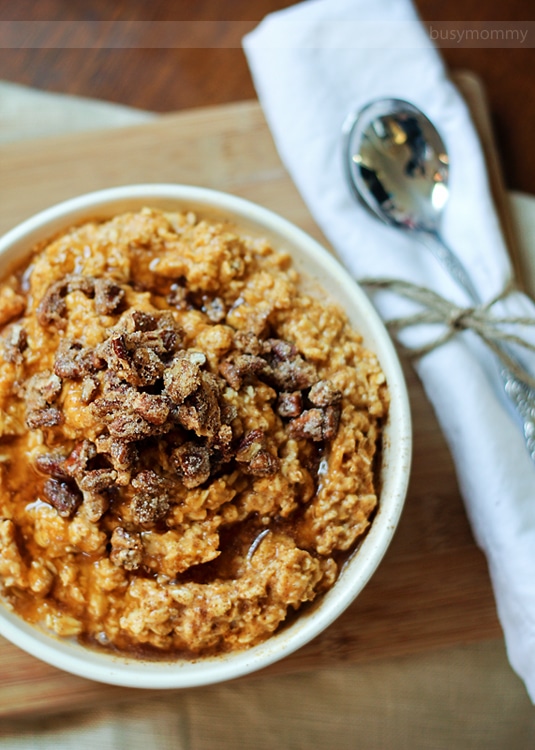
(169, 80)
(432, 590)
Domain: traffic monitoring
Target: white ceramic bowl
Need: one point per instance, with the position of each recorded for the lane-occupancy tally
(310, 258)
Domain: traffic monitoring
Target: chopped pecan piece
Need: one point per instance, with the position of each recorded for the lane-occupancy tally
(73, 361)
(239, 367)
(79, 458)
(62, 496)
(47, 417)
(52, 309)
(108, 296)
(151, 407)
(143, 321)
(316, 424)
(200, 412)
(288, 370)
(90, 386)
(42, 390)
(122, 455)
(133, 427)
(308, 425)
(126, 549)
(290, 404)
(331, 422)
(138, 350)
(222, 443)
(192, 461)
(150, 501)
(254, 455)
(131, 415)
(97, 480)
(183, 377)
(323, 393)
(15, 343)
(52, 464)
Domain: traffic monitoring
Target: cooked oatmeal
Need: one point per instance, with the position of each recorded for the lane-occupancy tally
(188, 438)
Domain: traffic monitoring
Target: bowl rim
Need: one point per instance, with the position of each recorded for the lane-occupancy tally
(119, 670)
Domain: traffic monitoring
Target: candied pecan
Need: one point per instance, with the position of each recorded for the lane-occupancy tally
(229, 412)
(138, 350)
(97, 480)
(192, 461)
(62, 496)
(323, 393)
(264, 464)
(150, 501)
(152, 408)
(47, 417)
(132, 426)
(116, 399)
(316, 424)
(108, 296)
(183, 376)
(200, 412)
(52, 309)
(122, 455)
(52, 464)
(290, 404)
(222, 442)
(254, 455)
(42, 390)
(331, 421)
(73, 361)
(77, 462)
(126, 549)
(308, 425)
(90, 386)
(250, 444)
(239, 367)
(136, 365)
(15, 343)
(143, 321)
(145, 366)
(131, 415)
(164, 339)
(288, 370)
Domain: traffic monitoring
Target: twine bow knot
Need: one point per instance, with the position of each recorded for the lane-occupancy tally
(479, 319)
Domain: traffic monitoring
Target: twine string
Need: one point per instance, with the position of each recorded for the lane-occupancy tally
(479, 319)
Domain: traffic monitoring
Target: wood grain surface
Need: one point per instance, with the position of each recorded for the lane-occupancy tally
(209, 67)
(432, 590)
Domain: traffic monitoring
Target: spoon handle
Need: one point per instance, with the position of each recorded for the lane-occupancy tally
(520, 393)
(451, 263)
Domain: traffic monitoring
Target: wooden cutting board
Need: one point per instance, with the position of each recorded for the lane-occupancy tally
(432, 590)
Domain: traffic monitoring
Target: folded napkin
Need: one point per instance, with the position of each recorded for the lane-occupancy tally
(314, 63)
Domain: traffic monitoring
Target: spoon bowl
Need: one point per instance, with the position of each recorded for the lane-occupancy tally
(397, 166)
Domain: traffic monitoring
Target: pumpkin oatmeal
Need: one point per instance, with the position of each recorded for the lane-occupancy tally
(188, 438)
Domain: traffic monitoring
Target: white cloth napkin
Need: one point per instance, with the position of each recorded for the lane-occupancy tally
(312, 64)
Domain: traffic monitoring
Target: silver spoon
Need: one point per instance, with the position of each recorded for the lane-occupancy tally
(397, 166)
